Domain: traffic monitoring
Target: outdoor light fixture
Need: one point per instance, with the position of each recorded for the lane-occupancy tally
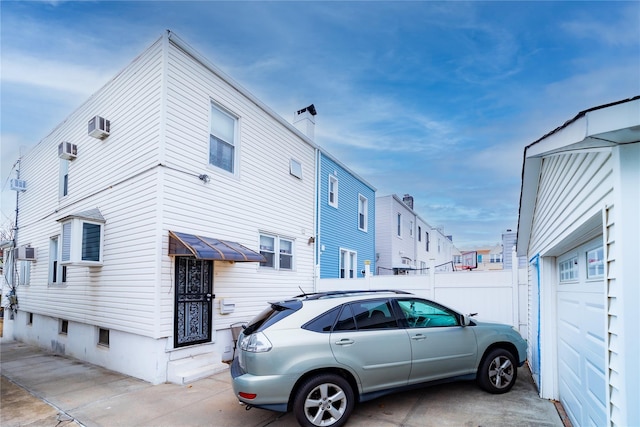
(204, 178)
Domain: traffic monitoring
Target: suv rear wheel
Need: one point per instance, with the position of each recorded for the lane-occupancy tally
(498, 371)
(323, 400)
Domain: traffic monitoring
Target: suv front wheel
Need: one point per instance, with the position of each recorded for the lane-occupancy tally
(498, 371)
(323, 400)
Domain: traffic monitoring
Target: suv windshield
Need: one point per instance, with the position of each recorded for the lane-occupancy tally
(276, 312)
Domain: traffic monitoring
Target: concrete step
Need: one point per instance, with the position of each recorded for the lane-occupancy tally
(193, 368)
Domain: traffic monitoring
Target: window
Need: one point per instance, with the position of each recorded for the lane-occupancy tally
(272, 245)
(374, 314)
(63, 187)
(103, 337)
(419, 234)
(426, 239)
(399, 225)
(63, 327)
(333, 191)
(295, 168)
(82, 241)
(25, 273)
(457, 259)
(496, 258)
(426, 314)
(411, 228)
(29, 319)
(595, 263)
(569, 269)
(438, 245)
(363, 212)
(222, 139)
(348, 264)
(57, 271)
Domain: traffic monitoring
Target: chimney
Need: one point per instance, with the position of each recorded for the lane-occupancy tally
(305, 121)
(408, 200)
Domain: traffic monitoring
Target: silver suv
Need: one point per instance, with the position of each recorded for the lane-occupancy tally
(319, 354)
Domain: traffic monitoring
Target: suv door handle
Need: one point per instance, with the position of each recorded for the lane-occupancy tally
(419, 337)
(345, 341)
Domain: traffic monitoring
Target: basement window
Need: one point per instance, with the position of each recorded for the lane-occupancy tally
(103, 337)
(63, 327)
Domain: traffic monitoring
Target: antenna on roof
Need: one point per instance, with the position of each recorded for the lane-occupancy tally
(301, 290)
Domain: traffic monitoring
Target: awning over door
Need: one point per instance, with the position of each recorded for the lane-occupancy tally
(182, 244)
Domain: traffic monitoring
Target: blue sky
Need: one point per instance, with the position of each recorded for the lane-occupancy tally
(434, 99)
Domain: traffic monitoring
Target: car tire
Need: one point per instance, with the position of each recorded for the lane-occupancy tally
(323, 400)
(498, 371)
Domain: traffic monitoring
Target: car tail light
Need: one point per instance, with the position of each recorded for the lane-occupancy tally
(255, 343)
(249, 396)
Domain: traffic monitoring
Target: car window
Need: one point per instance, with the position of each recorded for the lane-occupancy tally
(373, 314)
(426, 314)
(324, 322)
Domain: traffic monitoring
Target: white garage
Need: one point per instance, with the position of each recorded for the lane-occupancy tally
(579, 227)
(581, 334)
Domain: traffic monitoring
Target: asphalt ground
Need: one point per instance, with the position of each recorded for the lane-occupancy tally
(44, 389)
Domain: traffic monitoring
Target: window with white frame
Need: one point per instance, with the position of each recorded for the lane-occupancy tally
(348, 264)
(426, 238)
(57, 271)
(222, 139)
(333, 191)
(399, 225)
(363, 212)
(411, 228)
(569, 269)
(63, 185)
(277, 251)
(496, 258)
(595, 263)
(82, 242)
(25, 273)
(419, 234)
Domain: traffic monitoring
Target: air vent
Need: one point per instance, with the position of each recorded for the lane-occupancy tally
(67, 151)
(99, 127)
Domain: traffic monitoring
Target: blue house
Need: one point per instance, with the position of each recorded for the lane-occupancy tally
(345, 223)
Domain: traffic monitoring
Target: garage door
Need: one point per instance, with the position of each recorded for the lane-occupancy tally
(581, 333)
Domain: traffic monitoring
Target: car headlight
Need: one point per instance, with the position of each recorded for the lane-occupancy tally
(255, 343)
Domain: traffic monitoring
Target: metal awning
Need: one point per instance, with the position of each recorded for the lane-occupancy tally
(182, 244)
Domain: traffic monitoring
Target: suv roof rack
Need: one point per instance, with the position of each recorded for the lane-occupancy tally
(335, 294)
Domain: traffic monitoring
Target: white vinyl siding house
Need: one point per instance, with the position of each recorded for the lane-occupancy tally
(579, 228)
(155, 174)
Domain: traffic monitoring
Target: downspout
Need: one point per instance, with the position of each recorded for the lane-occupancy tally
(536, 261)
(316, 219)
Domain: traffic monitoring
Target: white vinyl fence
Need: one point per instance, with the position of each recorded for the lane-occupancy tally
(496, 296)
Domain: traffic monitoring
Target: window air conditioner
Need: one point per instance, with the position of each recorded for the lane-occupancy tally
(99, 127)
(26, 253)
(67, 151)
(19, 185)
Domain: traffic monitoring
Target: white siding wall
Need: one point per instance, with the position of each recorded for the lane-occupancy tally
(573, 188)
(115, 175)
(573, 191)
(261, 197)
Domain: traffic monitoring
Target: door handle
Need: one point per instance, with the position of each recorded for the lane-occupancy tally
(345, 341)
(419, 337)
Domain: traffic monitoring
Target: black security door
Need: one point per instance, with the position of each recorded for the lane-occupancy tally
(193, 301)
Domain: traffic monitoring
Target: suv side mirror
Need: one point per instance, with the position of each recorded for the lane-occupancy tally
(464, 320)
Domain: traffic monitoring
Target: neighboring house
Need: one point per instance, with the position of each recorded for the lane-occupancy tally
(169, 206)
(405, 243)
(346, 221)
(579, 229)
(487, 258)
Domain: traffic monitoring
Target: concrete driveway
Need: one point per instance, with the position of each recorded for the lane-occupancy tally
(44, 389)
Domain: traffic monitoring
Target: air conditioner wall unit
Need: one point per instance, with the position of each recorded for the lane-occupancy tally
(26, 253)
(18, 185)
(99, 127)
(67, 150)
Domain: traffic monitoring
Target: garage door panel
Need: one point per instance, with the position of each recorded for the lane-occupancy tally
(581, 346)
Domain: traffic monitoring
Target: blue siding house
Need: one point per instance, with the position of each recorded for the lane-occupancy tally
(345, 221)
